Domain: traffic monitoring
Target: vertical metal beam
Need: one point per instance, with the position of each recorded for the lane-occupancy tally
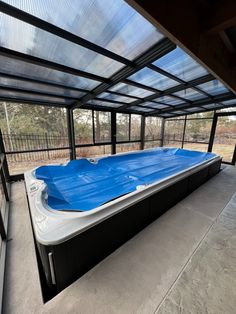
(234, 156)
(113, 132)
(213, 130)
(93, 126)
(129, 126)
(5, 164)
(71, 133)
(4, 185)
(143, 120)
(185, 119)
(162, 132)
(2, 228)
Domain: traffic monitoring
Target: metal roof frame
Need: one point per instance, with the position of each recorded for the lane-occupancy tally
(146, 59)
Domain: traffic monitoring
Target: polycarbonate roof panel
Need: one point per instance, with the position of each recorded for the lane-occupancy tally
(189, 94)
(120, 98)
(169, 100)
(22, 37)
(229, 102)
(153, 105)
(141, 109)
(153, 79)
(178, 112)
(104, 104)
(212, 106)
(180, 64)
(193, 109)
(31, 71)
(37, 87)
(33, 97)
(213, 88)
(131, 90)
(166, 115)
(110, 24)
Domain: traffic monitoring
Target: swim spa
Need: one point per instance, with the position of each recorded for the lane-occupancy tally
(83, 210)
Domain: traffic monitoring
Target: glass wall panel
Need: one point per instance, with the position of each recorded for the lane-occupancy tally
(135, 127)
(173, 144)
(83, 124)
(19, 163)
(153, 128)
(198, 130)
(102, 126)
(126, 147)
(225, 137)
(196, 146)
(152, 144)
(93, 151)
(122, 127)
(27, 127)
(173, 131)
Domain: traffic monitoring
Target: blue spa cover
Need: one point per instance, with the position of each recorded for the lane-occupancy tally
(82, 185)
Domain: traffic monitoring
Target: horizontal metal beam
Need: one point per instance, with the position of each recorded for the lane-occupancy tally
(107, 109)
(55, 30)
(49, 64)
(199, 103)
(170, 91)
(32, 102)
(139, 85)
(165, 73)
(229, 113)
(124, 95)
(32, 92)
(175, 78)
(37, 81)
(110, 101)
(202, 102)
(155, 52)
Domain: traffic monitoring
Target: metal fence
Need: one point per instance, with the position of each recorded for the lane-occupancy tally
(28, 147)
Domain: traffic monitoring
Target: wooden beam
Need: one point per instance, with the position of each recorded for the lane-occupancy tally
(225, 38)
(183, 22)
(222, 16)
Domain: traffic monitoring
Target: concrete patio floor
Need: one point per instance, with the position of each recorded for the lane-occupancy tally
(184, 262)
